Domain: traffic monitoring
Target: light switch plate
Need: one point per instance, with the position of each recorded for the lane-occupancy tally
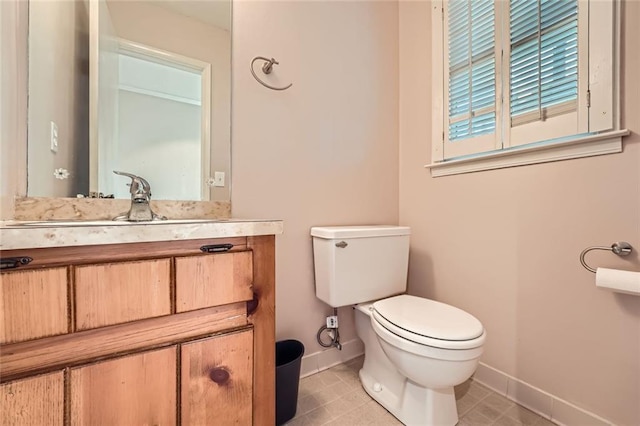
(54, 137)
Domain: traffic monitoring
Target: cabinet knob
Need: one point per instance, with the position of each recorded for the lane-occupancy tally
(219, 375)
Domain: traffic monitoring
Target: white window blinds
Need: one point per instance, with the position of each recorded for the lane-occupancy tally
(509, 63)
(544, 59)
(472, 68)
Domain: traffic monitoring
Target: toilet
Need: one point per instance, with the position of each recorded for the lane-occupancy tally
(415, 349)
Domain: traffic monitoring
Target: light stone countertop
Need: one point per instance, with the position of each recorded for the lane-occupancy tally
(43, 234)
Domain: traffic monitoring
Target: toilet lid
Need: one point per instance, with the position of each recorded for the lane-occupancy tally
(427, 318)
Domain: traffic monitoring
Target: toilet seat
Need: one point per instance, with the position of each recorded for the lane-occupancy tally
(428, 322)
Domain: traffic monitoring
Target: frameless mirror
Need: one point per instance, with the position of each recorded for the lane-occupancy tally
(137, 86)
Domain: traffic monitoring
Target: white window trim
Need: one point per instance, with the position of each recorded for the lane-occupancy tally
(580, 146)
(604, 113)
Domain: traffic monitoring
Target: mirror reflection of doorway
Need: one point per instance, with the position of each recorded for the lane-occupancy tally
(161, 117)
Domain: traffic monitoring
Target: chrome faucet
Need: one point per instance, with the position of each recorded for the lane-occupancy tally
(140, 197)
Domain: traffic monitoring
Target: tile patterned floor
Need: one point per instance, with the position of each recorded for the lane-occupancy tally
(335, 397)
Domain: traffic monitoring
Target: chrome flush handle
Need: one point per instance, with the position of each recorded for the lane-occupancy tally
(342, 244)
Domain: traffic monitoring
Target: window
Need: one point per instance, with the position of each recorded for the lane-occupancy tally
(471, 72)
(513, 78)
(543, 60)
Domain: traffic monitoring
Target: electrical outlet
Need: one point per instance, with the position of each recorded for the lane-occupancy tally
(54, 137)
(218, 179)
(332, 321)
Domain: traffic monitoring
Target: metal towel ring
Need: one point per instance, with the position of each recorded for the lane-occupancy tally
(267, 67)
(621, 248)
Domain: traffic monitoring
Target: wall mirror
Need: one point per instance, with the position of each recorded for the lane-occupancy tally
(137, 86)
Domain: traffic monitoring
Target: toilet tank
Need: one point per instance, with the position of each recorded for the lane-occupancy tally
(355, 264)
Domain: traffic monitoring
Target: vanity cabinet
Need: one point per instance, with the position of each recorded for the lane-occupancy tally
(37, 400)
(140, 333)
(217, 380)
(203, 281)
(33, 304)
(129, 390)
(112, 293)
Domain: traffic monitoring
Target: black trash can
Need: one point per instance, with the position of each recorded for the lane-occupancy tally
(288, 359)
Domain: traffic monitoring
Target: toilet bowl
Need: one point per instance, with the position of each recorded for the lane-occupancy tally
(416, 351)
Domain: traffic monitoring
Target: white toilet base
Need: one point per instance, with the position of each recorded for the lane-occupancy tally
(414, 404)
(409, 402)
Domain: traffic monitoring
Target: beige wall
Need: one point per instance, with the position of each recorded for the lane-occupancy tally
(58, 92)
(504, 244)
(146, 23)
(13, 104)
(323, 152)
(501, 244)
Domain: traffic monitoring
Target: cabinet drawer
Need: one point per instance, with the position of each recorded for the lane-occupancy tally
(114, 293)
(217, 380)
(214, 279)
(33, 304)
(35, 401)
(132, 390)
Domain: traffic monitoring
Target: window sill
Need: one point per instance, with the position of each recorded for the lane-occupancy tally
(582, 146)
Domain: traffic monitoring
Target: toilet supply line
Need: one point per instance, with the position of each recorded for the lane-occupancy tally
(331, 328)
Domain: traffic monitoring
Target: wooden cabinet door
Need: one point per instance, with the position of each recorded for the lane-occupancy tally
(33, 304)
(133, 390)
(214, 279)
(114, 293)
(217, 380)
(35, 401)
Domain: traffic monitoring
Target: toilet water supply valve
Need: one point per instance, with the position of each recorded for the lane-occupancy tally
(331, 329)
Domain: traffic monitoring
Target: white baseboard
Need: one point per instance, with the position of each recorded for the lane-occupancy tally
(321, 360)
(549, 406)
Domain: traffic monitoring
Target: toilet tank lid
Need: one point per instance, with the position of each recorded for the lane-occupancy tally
(337, 232)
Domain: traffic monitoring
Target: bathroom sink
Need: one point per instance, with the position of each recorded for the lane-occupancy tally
(77, 223)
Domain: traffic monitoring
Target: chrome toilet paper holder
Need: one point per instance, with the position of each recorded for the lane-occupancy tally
(621, 248)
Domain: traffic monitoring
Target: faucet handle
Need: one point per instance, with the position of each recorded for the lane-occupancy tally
(139, 185)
